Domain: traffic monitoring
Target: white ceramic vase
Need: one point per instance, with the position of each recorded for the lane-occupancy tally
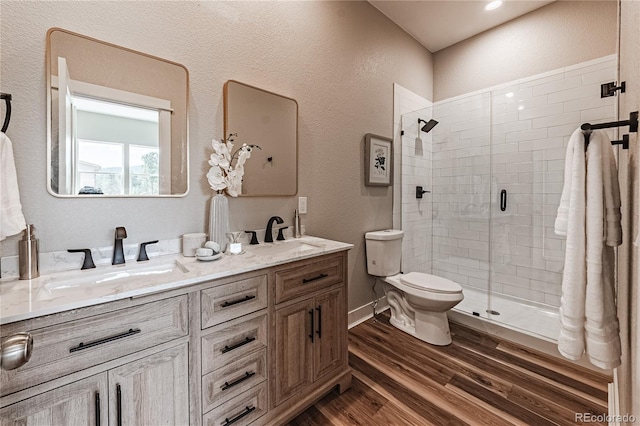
(219, 220)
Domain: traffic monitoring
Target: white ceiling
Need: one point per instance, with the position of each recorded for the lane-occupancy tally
(437, 24)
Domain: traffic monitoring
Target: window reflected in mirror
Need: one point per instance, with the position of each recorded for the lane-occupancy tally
(118, 120)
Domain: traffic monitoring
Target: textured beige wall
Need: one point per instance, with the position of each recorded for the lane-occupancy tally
(628, 291)
(559, 34)
(339, 60)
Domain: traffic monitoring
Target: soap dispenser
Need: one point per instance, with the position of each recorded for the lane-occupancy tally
(28, 255)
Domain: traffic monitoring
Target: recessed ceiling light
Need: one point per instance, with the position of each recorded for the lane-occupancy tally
(509, 95)
(493, 5)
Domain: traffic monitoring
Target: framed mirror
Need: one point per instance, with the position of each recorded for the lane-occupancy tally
(269, 120)
(117, 120)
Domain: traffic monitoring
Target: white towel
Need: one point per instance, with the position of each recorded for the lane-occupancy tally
(11, 217)
(602, 335)
(589, 215)
(576, 140)
(571, 222)
(612, 215)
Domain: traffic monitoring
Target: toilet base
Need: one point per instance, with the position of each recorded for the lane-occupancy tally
(430, 327)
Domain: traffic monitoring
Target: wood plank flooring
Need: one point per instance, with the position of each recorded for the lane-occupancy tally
(477, 380)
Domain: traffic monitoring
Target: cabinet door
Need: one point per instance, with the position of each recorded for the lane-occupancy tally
(329, 350)
(79, 403)
(294, 349)
(152, 390)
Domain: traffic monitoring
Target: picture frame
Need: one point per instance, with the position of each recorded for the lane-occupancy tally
(378, 164)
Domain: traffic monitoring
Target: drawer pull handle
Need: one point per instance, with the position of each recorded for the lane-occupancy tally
(246, 376)
(247, 410)
(319, 277)
(235, 302)
(83, 346)
(97, 408)
(118, 405)
(237, 345)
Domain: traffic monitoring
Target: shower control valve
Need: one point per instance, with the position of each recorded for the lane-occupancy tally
(420, 191)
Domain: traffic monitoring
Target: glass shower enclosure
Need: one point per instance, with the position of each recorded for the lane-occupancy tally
(494, 166)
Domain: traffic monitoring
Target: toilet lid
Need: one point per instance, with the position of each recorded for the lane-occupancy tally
(430, 282)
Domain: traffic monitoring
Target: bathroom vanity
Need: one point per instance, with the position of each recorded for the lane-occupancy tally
(248, 339)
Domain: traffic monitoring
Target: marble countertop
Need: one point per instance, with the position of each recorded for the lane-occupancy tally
(63, 291)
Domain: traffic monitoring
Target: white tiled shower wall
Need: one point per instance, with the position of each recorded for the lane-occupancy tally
(412, 165)
(511, 137)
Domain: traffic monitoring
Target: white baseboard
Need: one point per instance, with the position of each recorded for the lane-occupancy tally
(365, 312)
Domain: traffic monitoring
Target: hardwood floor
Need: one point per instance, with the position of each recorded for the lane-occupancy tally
(477, 380)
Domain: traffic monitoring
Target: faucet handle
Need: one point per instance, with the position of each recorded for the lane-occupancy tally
(121, 233)
(254, 237)
(280, 234)
(142, 254)
(88, 259)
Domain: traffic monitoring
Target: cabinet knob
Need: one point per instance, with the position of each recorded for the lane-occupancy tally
(16, 351)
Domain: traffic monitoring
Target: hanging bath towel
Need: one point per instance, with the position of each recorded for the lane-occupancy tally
(11, 217)
(589, 215)
(570, 221)
(602, 334)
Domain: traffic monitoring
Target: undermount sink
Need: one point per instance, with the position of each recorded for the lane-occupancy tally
(290, 246)
(113, 274)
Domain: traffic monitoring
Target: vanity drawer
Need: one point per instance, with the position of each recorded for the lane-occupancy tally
(240, 411)
(229, 301)
(227, 342)
(68, 347)
(230, 381)
(307, 277)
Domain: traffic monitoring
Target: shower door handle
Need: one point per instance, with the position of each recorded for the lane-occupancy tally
(503, 200)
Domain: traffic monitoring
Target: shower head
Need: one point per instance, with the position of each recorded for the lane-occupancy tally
(428, 125)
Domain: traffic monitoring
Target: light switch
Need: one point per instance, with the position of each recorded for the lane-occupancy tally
(302, 205)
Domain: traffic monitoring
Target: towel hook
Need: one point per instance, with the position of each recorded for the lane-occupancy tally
(7, 117)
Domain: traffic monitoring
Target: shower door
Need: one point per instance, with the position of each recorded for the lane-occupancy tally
(531, 123)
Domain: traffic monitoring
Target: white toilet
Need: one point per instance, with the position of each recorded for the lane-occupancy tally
(419, 302)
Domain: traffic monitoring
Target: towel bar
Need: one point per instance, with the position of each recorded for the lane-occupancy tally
(632, 122)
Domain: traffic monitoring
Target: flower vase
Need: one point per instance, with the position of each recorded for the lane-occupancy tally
(219, 220)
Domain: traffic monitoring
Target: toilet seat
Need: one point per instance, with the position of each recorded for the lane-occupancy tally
(432, 283)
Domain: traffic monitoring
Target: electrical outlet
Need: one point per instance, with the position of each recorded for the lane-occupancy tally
(302, 205)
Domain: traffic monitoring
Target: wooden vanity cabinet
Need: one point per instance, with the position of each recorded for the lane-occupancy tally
(309, 333)
(81, 403)
(149, 391)
(255, 348)
(234, 340)
(310, 342)
(113, 364)
(152, 390)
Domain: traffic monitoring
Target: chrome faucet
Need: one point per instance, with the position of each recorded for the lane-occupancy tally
(118, 252)
(268, 235)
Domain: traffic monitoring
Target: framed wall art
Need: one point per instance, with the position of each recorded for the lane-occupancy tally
(378, 154)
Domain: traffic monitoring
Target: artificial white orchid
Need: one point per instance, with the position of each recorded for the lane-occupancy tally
(223, 174)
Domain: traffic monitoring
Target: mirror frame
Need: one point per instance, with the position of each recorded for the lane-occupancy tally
(49, 117)
(226, 132)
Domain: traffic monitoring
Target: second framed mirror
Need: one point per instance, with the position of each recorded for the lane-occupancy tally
(263, 118)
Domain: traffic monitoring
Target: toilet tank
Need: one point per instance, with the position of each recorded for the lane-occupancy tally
(384, 250)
